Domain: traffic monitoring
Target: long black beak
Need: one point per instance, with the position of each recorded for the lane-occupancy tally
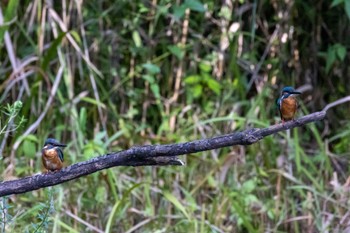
(296, 92)
(60, 145)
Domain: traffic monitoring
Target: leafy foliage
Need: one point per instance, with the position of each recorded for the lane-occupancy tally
(142, 72)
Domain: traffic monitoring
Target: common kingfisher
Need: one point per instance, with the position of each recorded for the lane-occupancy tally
(52, 155)
(287, 104)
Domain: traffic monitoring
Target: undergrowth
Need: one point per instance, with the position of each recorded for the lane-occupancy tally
(103, 76)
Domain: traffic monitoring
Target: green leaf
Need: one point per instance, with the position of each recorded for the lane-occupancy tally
(93, 101)
(194, 5)
(151, 68)
(347, 8)
(249, 186)
(225, 12)
(137, 39)
(250, 198)
(341, 52)
(192, 79)
(143, 8)
(197, 90)
(271, 214)
(76, 36)
(336, 2)
(330, 59)
(179, 11)
(11, 10)
(212, 181)
(10, 13)
(163, 10)
(176, 203)
(82, 119)
(17, 105)
(31, 137)
(177, 51)
(205, 66)
(214, 86)
(148, 78)
(155, 90)
(88, 152)
(52, 51)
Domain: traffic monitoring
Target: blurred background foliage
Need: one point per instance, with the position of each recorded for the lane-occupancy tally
(103, 76)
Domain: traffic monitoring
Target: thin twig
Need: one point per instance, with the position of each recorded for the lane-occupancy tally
(149, 155)
(337, 102)
(82, 221)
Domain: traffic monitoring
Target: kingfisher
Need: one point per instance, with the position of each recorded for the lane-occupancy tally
(287, 104)
(52, 155)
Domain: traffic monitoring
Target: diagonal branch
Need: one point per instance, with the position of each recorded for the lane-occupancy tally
(150, 155)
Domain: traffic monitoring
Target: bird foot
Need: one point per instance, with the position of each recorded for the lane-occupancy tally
(49, 171)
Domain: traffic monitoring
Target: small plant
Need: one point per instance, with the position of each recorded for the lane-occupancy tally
(47, 209)
(13, 121)
(5, 216)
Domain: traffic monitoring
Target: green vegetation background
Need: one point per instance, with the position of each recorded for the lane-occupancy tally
(103, 76)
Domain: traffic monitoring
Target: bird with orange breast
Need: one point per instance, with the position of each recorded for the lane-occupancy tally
(287, 104)
(52, 155)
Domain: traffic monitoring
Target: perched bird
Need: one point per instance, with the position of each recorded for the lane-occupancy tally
(287, 103)
(52, 155)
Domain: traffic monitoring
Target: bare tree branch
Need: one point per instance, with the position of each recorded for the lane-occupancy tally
(150, 155)
(337, 102)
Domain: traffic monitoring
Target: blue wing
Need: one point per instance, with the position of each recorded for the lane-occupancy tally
(279, 104)
(60, 153)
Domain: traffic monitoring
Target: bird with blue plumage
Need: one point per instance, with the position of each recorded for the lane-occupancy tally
(52, 155)
(288, 104)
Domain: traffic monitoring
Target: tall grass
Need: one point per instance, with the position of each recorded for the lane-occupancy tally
(106, 75)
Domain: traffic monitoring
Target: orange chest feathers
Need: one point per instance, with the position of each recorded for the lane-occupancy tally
(51, 160)
(288, 108)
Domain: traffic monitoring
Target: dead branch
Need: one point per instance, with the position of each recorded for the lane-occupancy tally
(149, 155)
